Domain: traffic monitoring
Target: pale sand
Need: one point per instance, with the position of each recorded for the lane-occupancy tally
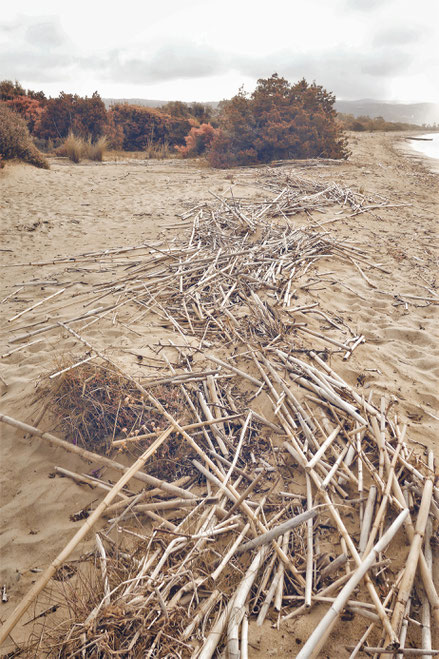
(76, 208)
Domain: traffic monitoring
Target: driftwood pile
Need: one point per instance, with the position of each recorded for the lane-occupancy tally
(270, 485)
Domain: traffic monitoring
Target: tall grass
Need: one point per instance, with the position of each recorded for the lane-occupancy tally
(76, 148)
(15, 140)
(72, 148)
(157, 150)
(96, 150)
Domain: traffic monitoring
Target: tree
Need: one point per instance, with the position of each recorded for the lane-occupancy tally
(10, 90)
(86, 117)
(278, 121)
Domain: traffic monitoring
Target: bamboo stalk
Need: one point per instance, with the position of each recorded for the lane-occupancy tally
(37, 304)
(367, 519)
(277, 531)
(318, 637)
(412, 559)
(232, 611)
(95, 457)
(309, 545)
(18, 612)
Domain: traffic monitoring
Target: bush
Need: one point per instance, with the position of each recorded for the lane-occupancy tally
(198, 141)
(72, 113)
(15, 140)
(140, 127)
(278, 121)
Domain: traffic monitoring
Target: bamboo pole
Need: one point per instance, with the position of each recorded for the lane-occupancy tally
(241, 592)
(25, 603)
(412, 559)
(318, 637)
(95, 457)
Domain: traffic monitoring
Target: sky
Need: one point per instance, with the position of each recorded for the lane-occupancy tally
(203, 50)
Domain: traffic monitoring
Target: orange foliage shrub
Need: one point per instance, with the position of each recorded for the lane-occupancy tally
(278, 121)
(198, 141)
(28, 108)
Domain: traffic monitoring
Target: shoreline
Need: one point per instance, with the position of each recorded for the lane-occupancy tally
(407, 148)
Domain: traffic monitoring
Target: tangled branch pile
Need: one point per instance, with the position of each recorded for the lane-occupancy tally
(301, 491)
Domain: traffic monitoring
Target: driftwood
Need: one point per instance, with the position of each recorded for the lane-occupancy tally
(266, 447)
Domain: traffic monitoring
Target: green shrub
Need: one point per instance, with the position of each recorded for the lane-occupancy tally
(15, 140)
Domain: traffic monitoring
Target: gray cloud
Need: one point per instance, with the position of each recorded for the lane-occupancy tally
(47, 34)
(399, 36)
(170, 62)
(41, 52)
(366, 5)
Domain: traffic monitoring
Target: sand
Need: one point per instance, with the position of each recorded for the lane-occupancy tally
(72, 209)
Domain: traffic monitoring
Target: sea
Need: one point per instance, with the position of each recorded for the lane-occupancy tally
(430, 149)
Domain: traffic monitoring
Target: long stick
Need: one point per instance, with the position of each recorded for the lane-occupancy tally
(79, 535)
(412, 559)
(95, 457)
(317, 639)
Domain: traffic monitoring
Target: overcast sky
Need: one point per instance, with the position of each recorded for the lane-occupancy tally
(204, 50)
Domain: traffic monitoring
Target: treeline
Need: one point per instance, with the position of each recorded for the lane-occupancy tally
(126, 127)
(277, 121)
(363, 123)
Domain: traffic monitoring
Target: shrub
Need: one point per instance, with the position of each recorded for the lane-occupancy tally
(72, 113)
(141, 126)
(15, 140)
(278, 121)
(198, 141)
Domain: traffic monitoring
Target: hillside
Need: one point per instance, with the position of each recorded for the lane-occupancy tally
(412, 113)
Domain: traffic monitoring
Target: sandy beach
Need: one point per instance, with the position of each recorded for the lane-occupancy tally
(72, 209)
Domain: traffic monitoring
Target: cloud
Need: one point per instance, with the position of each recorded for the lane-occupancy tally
(46, 34)
(169, 62)
(37, 51)
(366, 5)
(400, 36)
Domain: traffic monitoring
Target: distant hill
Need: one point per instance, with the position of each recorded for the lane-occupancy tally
(149, 103)
(409, 113)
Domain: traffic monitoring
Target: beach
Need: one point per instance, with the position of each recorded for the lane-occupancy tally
(73, 209)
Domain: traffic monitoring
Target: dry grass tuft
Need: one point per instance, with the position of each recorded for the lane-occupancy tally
(96, 150)
(73, 148)
(157, 150)
(76, 148)
(94, 405)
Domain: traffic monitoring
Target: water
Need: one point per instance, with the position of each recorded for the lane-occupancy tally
(429, 149)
